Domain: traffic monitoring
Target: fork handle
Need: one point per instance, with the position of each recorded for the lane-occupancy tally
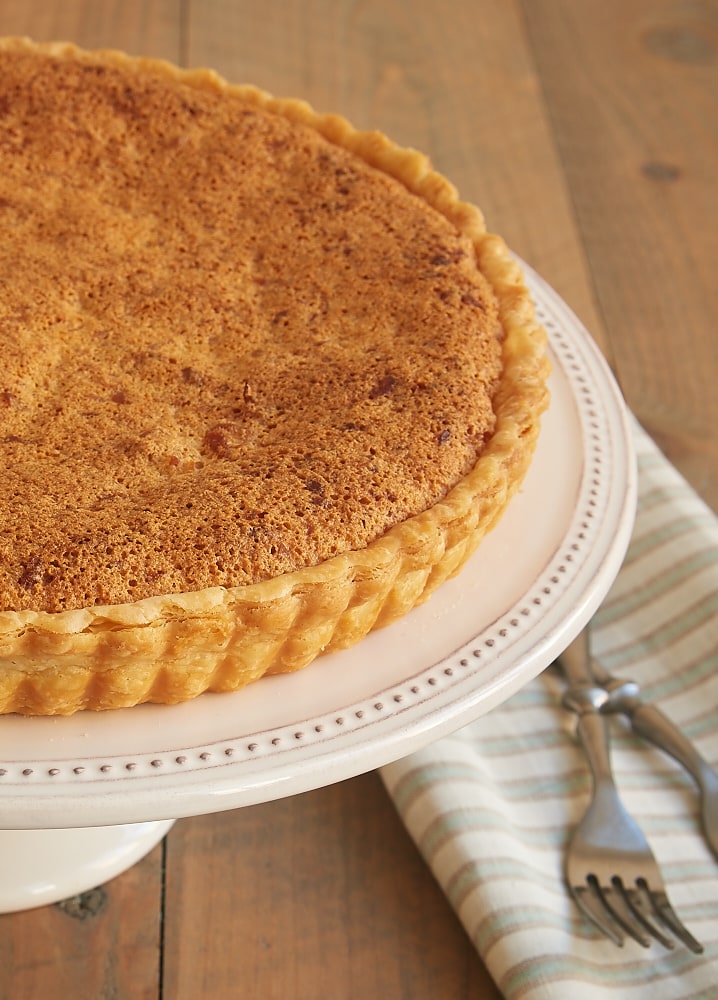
(592, 730)
(584, 697)
(650, 723)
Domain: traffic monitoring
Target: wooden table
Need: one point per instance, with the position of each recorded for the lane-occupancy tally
(586, 129)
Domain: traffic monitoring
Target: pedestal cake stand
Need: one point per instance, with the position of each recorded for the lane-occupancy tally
(85, 797)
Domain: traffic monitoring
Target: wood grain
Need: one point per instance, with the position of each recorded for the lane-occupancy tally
(153, 29)
(105, 943)
(585, 129)
(632, 94)
(316, 895)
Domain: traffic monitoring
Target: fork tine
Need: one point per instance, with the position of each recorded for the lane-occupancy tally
(615, 900)
(590, 903)
(633, 922)
(608, 842)
(665, 912)
(635, 901)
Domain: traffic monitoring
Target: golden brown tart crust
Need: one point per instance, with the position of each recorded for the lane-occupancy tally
(266, 381)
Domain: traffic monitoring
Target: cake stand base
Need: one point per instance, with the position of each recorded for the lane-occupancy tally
(38, 867)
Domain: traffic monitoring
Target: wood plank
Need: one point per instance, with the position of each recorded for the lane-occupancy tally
(320, 894)
(633, 96)
(103, 944)
(131, 25)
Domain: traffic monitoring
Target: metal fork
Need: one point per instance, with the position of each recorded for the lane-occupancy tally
(609, 867)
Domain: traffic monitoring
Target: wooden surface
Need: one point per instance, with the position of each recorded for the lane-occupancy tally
(586, 130)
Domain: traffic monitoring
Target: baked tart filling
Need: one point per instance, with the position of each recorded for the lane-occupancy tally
(266, 381)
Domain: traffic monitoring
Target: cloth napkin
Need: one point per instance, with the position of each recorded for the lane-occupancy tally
(492, 807)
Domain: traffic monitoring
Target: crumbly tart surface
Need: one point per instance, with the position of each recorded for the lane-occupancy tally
(266, 381)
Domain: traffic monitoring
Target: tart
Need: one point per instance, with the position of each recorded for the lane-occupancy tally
(266, 383)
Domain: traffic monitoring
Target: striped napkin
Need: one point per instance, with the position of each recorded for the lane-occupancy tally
(491, 808)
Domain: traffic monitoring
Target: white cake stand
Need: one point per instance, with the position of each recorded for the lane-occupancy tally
(83, 798)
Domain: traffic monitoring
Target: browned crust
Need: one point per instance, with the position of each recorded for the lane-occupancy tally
(168, 649)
